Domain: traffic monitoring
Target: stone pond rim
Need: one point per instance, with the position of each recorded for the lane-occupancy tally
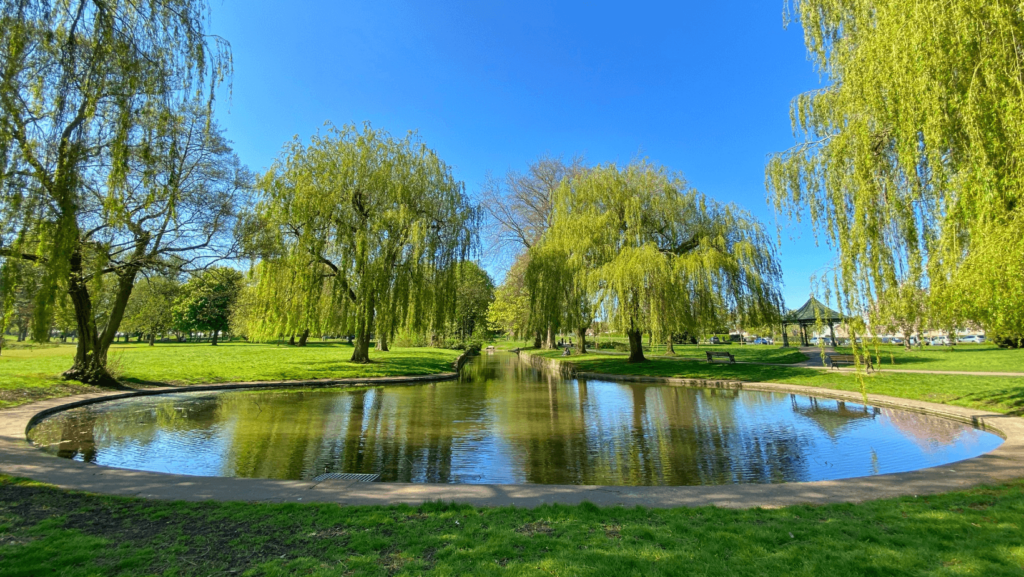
(21, 459)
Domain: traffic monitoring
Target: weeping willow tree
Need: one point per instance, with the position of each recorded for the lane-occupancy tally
(90, 155)
(561, 295)
(911, 159)
(365, 230)
(658, 257)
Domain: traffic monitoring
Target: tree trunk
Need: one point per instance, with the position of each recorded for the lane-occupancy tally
(549, 342)
(536, 340)
(152, 339)
(382, 343)
(90, 365)
(361, 349)
(291, 340)
(303, 338)
(213, 340)
(636, 347)
(581, 334)
(669, 347)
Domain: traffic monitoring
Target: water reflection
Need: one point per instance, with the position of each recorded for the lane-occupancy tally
(504, 422)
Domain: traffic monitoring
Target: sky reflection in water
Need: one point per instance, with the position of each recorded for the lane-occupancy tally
(504, 422)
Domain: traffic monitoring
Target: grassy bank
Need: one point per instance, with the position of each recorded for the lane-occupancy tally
(999, 394)
(33, 373)
(963, 357)
(48, 531)
(748, 353)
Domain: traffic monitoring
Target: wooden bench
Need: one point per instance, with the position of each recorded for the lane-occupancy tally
(722, 357)
(835, 360)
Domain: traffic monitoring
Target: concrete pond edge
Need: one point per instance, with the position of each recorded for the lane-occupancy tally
(21, 459)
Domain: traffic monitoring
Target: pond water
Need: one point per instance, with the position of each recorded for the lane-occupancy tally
(504, 422)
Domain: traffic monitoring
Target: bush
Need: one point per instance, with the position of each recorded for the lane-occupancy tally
(1008, 341)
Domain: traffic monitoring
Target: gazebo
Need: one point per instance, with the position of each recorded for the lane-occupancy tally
(812, 313)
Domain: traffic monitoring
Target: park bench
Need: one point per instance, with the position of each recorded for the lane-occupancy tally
(722, 357)
(835, 360)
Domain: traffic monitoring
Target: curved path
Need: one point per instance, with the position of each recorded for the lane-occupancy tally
(19, 458)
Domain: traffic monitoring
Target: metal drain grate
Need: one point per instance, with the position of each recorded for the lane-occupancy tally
(359, 477)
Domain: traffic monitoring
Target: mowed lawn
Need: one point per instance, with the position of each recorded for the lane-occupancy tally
(32, 373)
(746, 353)
(47, 531)
(998, 394)
(962, 357)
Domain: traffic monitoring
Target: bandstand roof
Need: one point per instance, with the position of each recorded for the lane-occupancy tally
(811, 312)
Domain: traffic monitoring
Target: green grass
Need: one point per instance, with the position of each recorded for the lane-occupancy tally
(748, 353)
(507, 345)
(33, 373)
(46, 531)
(963, 357)
(998, 394)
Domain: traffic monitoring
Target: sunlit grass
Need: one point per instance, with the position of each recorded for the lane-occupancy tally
(48, 531)
(962, 357)
(28, 374)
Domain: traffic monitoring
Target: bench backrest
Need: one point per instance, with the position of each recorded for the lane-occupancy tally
(715, 354)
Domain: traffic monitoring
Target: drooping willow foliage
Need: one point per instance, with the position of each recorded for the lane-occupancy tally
(911, 159)
(656, 256)
(94, 107)
(359, 232)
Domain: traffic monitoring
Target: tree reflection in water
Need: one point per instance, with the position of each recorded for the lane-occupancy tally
(505, 422)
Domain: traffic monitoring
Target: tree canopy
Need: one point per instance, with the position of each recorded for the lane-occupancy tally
(518, 208)
(510, 310)
(473, 297)
(368, 228)
(910, 160)
(655, 255)
(204, 303)
(150, 308)
(100, 105)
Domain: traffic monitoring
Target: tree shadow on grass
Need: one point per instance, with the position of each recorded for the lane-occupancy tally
(1009, 400)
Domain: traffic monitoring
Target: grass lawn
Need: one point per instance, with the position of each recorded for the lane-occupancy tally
(963, 357)
(507, 345)
(33, 373)
(47, 531)
(749, 353)
(999, 394)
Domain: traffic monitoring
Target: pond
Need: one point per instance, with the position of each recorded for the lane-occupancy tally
(505, 422)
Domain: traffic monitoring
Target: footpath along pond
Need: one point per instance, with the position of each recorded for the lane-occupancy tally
(505, 422)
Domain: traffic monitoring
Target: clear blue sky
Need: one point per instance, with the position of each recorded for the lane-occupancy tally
(701, 87)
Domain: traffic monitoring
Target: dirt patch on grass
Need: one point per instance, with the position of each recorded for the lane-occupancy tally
(15, 397)
(531, 529)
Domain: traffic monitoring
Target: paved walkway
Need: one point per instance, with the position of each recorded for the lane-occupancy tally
(19, 458)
